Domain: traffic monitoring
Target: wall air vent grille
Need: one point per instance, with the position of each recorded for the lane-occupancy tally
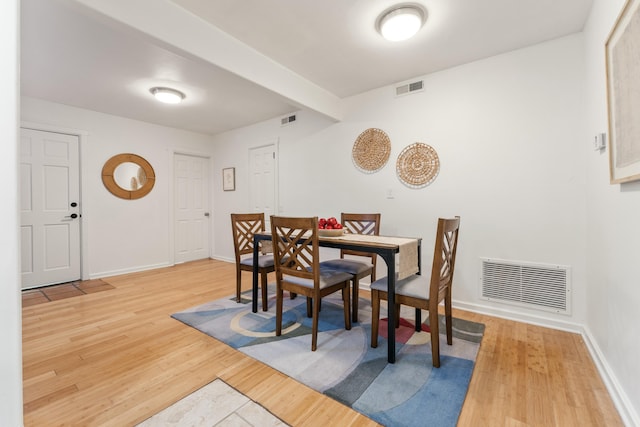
(415, 86)
(286, 120)
(408, 88)
(539, 286)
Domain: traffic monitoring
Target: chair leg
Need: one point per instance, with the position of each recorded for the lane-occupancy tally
(264, 291)
(356, 297)
(347, 306)
(448, 318)
(397, 315)
(238, 284)
(435, 337)
(314, 322)
(279, 296)
(375, 317)
(309, 308)
(418, 318)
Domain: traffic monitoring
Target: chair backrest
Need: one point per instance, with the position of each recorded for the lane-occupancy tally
(358, 223)
(295, 241)
(444, 258)
(244, 226)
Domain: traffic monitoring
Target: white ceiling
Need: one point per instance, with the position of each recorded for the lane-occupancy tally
(244, 61)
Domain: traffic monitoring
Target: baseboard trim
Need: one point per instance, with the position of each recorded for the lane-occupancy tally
(519, 317)
(620, 399)
(102, 274)
(222, 258)
(618, 396)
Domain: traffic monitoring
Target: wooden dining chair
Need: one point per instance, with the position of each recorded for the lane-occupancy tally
(424, 292)
(298, 270)
(365, 263)
(244, 226)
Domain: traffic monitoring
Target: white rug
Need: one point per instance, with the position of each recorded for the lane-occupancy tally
(216, 404)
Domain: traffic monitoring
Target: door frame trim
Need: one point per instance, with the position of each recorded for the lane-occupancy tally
(83, 137)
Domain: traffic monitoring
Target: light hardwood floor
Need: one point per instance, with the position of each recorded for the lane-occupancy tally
(117, 357)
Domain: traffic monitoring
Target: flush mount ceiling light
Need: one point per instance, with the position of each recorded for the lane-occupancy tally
(401, 22)
(167, 95)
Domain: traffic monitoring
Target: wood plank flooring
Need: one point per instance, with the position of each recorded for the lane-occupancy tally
(115, 358)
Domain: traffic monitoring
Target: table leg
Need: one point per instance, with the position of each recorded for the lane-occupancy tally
(390, 259)
(254, 287)
(418, 325)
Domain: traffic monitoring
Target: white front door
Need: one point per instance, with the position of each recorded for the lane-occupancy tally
(191, 184)
(262, 169)
(49, 207)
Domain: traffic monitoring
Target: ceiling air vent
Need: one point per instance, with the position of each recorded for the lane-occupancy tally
(408, 88)
(288, 119)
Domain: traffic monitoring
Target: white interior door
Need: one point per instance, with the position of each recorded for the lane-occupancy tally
(191, 207)
(262, 169)
(49, 206)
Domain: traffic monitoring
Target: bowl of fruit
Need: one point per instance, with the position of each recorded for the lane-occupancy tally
(329, 227)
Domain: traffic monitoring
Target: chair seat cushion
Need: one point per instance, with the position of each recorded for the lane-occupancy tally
(416, 286)
(328, 277)
(348, 265)
(263, 261)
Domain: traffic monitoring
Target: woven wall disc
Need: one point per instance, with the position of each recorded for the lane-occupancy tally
(418, 165)
(371, 150)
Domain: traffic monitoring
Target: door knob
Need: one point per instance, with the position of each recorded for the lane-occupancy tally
(72, 216)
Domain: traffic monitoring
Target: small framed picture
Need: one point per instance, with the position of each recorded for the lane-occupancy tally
(229, 179)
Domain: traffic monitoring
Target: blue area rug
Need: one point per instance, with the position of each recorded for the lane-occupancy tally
(345, 367)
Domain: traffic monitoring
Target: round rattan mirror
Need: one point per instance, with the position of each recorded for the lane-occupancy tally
(128, 176)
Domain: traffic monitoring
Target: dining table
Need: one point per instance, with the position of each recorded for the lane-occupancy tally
(387, 247)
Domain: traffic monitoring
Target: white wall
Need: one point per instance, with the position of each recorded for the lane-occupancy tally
(121, 235)
(508, 131)
(10, 306)
(613, 234)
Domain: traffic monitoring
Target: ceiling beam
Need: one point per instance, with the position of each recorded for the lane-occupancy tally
(164, 21)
